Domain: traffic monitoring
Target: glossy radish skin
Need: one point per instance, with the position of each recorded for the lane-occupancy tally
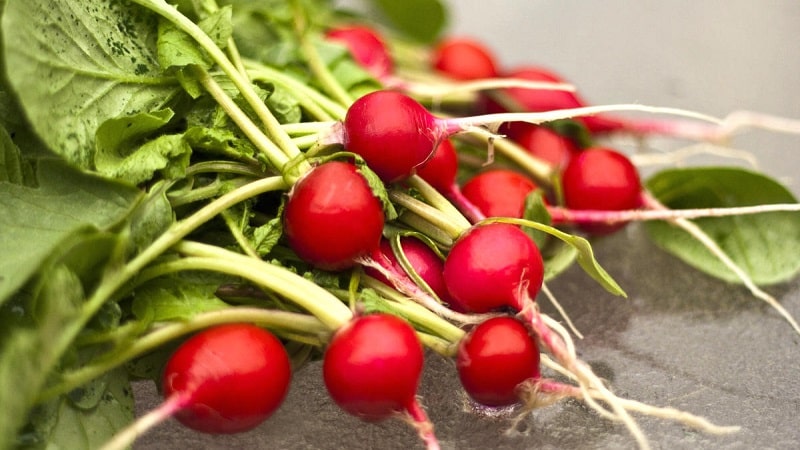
(233, 377)
(367, 48)
(499, 192)
(492, 266)
(392, 132)
(425, 262)
(373, 365)
(464, 59)
(494, 358)
(545, 144)
(441, 169)
(603, 179)
(332, 218)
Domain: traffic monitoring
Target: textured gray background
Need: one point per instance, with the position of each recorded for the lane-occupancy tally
(681, 339)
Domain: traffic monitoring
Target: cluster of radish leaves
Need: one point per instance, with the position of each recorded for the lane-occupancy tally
(97, 98)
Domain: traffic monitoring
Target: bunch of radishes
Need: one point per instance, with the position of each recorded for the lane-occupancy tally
(435, 246)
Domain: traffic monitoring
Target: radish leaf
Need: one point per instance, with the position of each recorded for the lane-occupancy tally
(75, 64)
(766, 246)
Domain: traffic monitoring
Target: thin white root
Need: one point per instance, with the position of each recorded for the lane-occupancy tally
(635, 215)
(561, 346)
(441, 90)
(739, 120)
(697, 232)
(563, 313)
(667, 413)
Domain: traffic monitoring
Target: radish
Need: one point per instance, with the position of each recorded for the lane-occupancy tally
(372, 368)
(545, 143)
(499, 192)
(392, 132)
(332, 217)
(426, 264)
(367, 47)
(223, 380)
(495, 265)
(463, 59)
(231, 378)
(600, 179)
(441, 168)
(440, 172)
(492, 266)
(495, 358)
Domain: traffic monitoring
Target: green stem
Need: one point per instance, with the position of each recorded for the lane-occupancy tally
(117, 277)
(302, 91)
(438, 201)
(205, 192)
(270, 318)
(403, 306)
(315, 62)
(301, 291)
(434, 216)
(241, 82)
(237, 233)
(274, 154)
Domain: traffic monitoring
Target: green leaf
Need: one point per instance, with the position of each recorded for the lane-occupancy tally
(63, 424)
(177, 297)
(26, 337)
(536, 210)
(422, 20)
(124, 154)
(36, 221)
(152, 217)
(766, 246)
(584, 253)
(75, 64)
(219, 141)
(267, 236)
(13, 168)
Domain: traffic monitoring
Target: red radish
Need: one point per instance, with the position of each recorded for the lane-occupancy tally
(332, 217)
(230, 378)
(223, 380)
(372, 368)
(367, 48)
(545, 143)
(440, 172)
(464, 59)
(425, 262)
(492, 266)
(392, 132)
(441, 169)
(494, 358)
(499, 192)
(601, 179)
(396, 135)
(495, 265)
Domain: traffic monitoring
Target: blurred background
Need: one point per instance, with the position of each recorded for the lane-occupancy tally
(713, 56)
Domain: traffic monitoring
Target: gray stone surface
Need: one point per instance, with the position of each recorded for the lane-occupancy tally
(681, 339)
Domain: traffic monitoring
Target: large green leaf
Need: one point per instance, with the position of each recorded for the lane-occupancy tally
(75, 64)
(33, 321)
(766, 246)
(36, 221)
(422, 20)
